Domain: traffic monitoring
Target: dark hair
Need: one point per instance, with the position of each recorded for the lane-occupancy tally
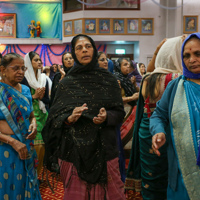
(63, 57)
(141, 64)
(54, 64)
(9, 57)
(117, 64)
(32, 54)
(73, 43)
(151, 85)
(100, 53)
(1, 55)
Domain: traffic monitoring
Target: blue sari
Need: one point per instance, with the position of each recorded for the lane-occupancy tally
(18, 178)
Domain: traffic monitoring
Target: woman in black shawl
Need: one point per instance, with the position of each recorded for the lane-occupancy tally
(81, 128)
(122, 69)
(67, 63)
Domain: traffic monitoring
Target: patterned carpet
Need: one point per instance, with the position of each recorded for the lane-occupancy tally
(46, 192)
(58, 191)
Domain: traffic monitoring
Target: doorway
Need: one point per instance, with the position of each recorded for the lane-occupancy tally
(114, 57)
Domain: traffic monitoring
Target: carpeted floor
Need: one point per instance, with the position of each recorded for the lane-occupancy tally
(58, 191)
(46, 192)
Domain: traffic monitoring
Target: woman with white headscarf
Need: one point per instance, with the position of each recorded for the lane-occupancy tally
(38, 84)
(147, 172)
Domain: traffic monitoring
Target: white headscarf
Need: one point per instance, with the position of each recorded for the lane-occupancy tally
(32, 81)
(168, 59)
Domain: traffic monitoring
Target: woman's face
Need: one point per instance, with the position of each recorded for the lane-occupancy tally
(68, 60)
(142, 69)
(55, 68)
(14, 72)
(125, 65)
(84, 51)
(36, 62)
(191, 55)
(103, 62)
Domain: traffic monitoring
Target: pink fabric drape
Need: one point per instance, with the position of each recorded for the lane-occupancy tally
(76, 189)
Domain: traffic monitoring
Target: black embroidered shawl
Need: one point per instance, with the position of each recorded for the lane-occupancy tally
(126, 84)
(81, 143)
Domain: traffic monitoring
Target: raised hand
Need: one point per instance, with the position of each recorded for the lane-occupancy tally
(76, 114)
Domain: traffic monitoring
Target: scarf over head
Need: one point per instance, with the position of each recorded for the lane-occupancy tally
(168, 59)
(125, 82)
(32, 81)
(186, 72)
(81, 143)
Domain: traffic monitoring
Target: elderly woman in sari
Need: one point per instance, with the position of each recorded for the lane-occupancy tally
(81, 128)
(146, 171)
(179, 109)
(38, 84)
(18, 158)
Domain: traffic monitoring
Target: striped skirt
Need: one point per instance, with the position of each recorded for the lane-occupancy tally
(77, 189)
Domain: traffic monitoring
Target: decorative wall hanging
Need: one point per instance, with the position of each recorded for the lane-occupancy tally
(78, 26)
(112, 5)
(147, 26)
(104, 26)
(118, 26)
(68, 29)
(90, 26)
(133, 26)
(7, 25)
(190, 24)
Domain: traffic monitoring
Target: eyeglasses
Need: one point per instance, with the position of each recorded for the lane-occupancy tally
(103, 59)
(17, 68)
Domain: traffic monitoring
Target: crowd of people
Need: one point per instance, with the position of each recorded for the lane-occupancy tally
(76, 120)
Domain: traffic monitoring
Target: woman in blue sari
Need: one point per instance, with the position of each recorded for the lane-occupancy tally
(179, 108)
(18, 159)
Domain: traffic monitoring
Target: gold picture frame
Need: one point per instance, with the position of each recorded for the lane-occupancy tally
(147, 26)
(190, 24)
(7, 25)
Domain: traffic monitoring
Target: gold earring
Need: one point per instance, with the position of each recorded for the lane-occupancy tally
(4, 74)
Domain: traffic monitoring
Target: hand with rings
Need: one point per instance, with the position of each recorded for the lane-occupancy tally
(158, 140)
(101, 117)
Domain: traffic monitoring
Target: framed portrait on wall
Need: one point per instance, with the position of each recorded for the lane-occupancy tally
(90, 26)
(78, 26)
(104, 26)
(118, 26)
(68, 29)
(190, 24)
(133, 26)
(7, 25)
(147, 26)
(71, 6)
(112, 5)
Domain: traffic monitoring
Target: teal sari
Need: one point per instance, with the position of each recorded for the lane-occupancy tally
(147, 173)
(18, 179)
(185, 121)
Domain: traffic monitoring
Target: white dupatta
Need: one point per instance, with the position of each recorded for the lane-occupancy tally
(32, 81)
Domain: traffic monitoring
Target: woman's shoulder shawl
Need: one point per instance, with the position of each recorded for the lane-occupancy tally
(134, 164)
